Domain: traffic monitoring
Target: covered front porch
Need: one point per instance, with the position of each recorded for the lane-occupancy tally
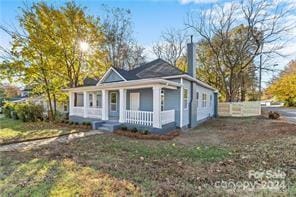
(137, 105)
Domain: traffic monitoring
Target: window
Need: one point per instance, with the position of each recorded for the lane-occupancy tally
(162, 100)
(99, 100)
(204, 100)
(90, 100)
(211, 100)
(113, 102)
(197, 98)
(185, 98)
(78, 99)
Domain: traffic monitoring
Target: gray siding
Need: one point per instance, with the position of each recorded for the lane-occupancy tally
(146, 99)
(172, 101)
(112, 77)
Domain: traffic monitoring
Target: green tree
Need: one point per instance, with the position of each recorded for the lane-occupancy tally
(59, 48)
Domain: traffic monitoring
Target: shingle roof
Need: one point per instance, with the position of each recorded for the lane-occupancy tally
(156, 68)
(90, 81)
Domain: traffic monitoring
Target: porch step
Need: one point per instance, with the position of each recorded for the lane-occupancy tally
(106, 125)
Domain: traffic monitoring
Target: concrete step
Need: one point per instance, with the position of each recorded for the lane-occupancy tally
(105, 128)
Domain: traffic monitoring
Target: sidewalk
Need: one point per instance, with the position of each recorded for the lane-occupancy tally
(23, 146)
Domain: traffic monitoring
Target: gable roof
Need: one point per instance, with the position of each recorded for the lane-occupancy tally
(111, 69)
(156, 68)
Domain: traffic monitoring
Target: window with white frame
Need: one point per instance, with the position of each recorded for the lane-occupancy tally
(90, 100)
(197, 98)
(211, 100)
(162, 100)
(99, 100)
(113, 101)
(185, 98)
(204, 100)
(78, 99)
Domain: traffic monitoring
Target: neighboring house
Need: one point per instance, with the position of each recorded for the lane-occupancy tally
(155, 96)
(27, 96)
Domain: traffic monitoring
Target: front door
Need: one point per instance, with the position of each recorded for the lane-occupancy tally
(113, 105)
(135, 101)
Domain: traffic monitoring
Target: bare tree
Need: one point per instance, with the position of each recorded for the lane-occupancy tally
(239, 33)
(171, 45)
(123, 50)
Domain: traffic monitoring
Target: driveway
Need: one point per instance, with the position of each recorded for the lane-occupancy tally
(287, 113)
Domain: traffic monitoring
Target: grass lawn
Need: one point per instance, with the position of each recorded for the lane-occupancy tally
(16, 130)
(223, 149)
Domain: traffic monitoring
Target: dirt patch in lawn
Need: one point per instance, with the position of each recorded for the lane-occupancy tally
(189, 165)
(225, 131)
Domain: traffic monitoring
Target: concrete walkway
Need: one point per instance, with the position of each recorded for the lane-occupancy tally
(23, 146)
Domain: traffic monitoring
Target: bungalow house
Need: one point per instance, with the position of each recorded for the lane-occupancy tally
(155, 96)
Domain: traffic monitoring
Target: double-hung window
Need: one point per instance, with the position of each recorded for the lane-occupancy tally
(204, 100)
(185, 98)
(197, 98)
(211, 100)
(78, 99)
(162, 100)
(90, 100)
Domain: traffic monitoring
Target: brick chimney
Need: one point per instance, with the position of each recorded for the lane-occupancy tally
(191, 59)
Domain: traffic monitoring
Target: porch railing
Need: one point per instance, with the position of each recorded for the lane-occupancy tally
(167, 116)
(77, 111)
(139, 117)
(94, 112)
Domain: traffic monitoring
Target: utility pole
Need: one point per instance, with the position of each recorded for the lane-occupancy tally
(260, 76)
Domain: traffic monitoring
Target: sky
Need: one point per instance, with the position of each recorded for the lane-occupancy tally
(150, 18)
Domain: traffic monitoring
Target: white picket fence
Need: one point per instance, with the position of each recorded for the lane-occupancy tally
(239, 109)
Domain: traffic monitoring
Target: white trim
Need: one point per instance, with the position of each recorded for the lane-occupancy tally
(156, 107)
(190, 78)
(122, 105)
(106, 74)
(133, 84)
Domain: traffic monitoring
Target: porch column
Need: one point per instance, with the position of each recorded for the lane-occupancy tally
(156, 106)
(122, 105)
(85, 98)
(94, 99)
(71, 103)
(105, 114)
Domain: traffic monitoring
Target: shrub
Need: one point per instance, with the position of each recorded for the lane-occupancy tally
(273, 115)
(146, 132)
(71, 122)
(76, 123)
(124, 128)
(84, 123)
(88, 123)
(134, 130)
(8, 108)
(29, 112)
(14, 115)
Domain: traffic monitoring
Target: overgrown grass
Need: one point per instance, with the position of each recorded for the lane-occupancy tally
(16, 130)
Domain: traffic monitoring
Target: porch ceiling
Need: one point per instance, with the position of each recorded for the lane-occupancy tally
(133, 84)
